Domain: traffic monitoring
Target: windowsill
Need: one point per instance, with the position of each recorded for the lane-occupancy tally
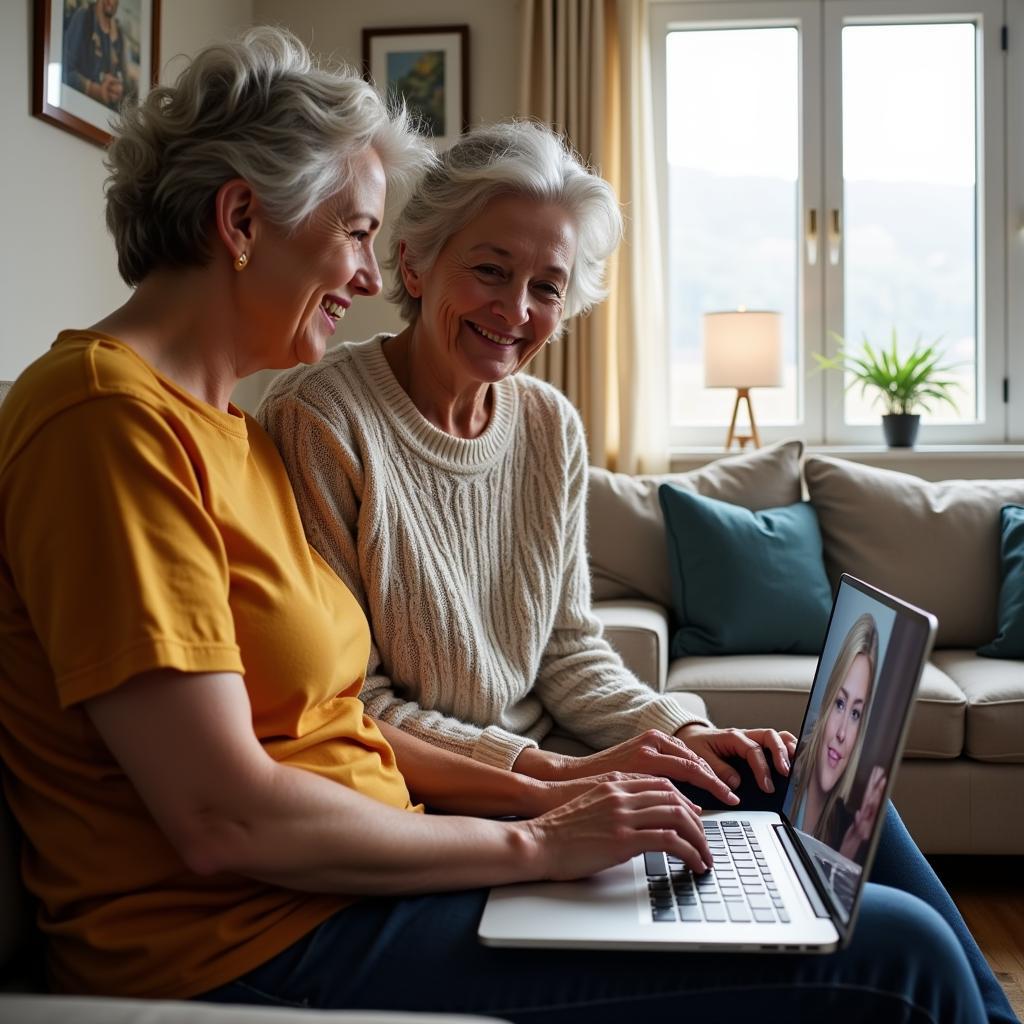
(874, 451)
(931, 461)
(923, 451)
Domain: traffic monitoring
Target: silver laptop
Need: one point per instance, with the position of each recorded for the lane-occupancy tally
(790, 880)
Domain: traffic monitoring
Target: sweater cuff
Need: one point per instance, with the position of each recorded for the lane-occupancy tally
(499, 748)
(668, 716)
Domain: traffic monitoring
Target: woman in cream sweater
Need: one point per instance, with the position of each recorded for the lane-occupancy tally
(448, 490)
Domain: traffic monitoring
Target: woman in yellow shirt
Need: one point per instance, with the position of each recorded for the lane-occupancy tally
(208, 813)
(186, 752)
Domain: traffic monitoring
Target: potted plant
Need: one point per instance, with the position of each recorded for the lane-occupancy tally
(904, 383)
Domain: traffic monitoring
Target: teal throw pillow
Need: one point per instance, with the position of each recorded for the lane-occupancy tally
(1009, 641)
(744, 582)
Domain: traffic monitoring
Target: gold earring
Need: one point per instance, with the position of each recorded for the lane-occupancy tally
(241, 261)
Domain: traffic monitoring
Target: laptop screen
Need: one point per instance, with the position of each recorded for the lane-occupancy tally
(853, 732)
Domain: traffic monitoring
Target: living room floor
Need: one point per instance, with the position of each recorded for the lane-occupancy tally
(990, 894)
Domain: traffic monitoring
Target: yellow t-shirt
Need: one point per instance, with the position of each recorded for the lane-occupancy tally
(139, 529)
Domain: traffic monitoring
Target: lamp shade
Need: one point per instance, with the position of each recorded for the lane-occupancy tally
(743, 349)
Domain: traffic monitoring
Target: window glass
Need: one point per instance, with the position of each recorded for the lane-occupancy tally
(910, 199)
(733, 108)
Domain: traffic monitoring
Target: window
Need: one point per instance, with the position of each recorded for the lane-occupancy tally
(733, 177)
(844, 163)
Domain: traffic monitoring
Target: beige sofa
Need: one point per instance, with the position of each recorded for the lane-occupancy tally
(961, 785)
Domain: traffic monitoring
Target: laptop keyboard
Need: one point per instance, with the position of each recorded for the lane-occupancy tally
(740, 887)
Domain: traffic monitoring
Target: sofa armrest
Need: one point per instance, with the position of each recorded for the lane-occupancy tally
(87, 1010)
(638, 630)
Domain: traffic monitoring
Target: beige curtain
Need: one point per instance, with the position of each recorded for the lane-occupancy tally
(586, 70)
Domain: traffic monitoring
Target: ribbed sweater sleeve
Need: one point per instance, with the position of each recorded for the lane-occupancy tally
(582, 680)
(468, 557)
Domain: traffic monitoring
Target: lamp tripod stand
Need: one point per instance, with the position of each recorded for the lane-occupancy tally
(742, 395)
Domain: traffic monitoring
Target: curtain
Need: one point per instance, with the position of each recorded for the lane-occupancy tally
(586, 71)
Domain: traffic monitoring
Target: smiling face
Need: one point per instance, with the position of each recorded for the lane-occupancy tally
(842, 726)
(496, 292)
(299, 285)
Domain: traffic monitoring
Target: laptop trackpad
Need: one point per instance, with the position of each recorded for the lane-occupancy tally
(532, 908)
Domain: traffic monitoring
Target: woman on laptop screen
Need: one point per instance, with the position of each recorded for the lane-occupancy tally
(826, 766)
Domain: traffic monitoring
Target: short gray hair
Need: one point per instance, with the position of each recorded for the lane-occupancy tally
(509, 158)
(259, 108)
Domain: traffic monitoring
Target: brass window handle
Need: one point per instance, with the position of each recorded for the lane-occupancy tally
(812, 237)
(835, 237)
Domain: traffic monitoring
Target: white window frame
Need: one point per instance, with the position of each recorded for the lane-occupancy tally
(1001, 167)
(991, 183)
(1015, 222)
(805, 16)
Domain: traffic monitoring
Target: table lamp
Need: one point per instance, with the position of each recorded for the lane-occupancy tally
(743, 350)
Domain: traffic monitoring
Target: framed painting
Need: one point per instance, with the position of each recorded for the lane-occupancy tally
(89, 57)
(429, 69)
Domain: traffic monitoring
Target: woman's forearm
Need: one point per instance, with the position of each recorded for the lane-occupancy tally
(305, 832)
(185, 741)
(540, 764)
(450, 782)
(312, 834)
(489, 746)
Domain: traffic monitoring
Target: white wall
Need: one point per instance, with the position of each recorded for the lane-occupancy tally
(188, 25)
(57, 262)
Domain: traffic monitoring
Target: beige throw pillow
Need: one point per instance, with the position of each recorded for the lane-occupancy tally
(626, 532)
(933, 544)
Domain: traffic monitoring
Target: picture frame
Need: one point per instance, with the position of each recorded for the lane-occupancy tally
(429, 68)
(89, 56)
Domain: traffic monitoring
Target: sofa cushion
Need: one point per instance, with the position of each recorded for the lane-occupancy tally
(752, 691)
(744, 582)
(97, 1010)
(748, 690)
(626, 534)
(935, 545)
(1009, 638)
(995, 704)
(988, 815)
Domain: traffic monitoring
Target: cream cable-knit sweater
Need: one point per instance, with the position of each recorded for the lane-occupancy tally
(468, 557)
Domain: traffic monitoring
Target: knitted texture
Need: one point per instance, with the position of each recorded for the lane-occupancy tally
(468, 557)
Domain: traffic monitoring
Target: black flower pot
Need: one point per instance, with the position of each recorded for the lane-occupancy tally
(900, 429)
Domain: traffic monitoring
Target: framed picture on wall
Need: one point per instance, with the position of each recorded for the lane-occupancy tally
(90, 56)
(429, 69)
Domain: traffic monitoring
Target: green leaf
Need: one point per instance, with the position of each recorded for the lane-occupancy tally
(901, 383)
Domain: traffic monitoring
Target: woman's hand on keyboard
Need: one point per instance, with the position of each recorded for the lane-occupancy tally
(554, 794)
(650, 753)
(715, 745)
(614, 821)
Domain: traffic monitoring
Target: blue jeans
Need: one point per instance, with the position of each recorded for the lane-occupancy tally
(911, 959)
